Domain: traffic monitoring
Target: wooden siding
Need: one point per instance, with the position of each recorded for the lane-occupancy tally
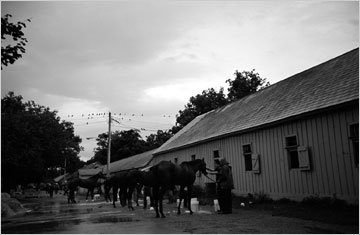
(333, 171)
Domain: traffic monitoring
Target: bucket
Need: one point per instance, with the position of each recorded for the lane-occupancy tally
(195, 206)
(216, 205)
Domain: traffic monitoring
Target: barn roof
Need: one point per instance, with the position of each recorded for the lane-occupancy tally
(86, 173)
(137, 161)
(328, 84)
(93, 165)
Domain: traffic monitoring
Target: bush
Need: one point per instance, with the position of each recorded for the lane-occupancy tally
(284, 201)
(262, 198)
(332, 202)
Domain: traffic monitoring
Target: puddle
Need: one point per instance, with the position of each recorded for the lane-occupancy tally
(113, 219)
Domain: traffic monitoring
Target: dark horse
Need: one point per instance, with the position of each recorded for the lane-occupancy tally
(89, 183)
(126, 181)
(167, 174)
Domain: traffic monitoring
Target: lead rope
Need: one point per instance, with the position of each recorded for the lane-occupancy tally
(210, 179)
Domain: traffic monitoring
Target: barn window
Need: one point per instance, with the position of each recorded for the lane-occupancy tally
(252, 162)
(354, 136)
(216, 154)
(176, 160)
(247, 155)
(298, 155)
(193, 157)
(291, 146)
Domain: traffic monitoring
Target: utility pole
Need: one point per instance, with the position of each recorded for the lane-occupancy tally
(109, 148)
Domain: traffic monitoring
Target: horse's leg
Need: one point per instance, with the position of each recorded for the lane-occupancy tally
(138, 192)
(106, 193)
(129, 197)
(181, 194)
(92, 194)
(72, 195)
(100, 190)
(188, 198)
(156, 200)
(151, 194)
(145, 196)
(161, 195)
(68, 197)
(115, 189)
(122, 196)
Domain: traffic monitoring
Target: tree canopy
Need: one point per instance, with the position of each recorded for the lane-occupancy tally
(245, 83)
(126, 144)
(11, 53)
(34, 142)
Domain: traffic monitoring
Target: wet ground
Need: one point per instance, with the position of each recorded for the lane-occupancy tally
(55, 215)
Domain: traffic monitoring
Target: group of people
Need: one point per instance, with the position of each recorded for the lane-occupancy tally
(224, 184)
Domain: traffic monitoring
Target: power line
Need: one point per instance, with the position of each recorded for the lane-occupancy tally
(104, 115)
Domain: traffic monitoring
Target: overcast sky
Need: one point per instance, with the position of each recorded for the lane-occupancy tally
(147, 58)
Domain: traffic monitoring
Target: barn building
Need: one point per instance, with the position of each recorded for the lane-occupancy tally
(293, 139)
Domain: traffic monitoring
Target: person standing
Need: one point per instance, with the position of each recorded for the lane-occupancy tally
(225, 185)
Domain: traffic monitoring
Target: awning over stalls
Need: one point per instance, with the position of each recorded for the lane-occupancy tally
(86, 173)
(135, 162)
(60, 178)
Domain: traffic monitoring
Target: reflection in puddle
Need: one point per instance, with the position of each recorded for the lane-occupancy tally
(113, 219)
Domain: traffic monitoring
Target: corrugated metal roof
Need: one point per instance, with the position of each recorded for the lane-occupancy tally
(137, 161)
(328, 84)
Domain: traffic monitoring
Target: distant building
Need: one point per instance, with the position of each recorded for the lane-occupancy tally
(296, 138)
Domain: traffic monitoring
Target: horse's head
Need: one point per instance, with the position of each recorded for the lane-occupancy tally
(202, 167)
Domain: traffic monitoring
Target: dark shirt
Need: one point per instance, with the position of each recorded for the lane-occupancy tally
(225, 178)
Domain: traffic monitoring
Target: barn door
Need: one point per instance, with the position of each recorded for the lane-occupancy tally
(304, 159)
(255, 163)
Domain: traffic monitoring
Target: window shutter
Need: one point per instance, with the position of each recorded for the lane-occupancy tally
(304, 159)
(255, 163)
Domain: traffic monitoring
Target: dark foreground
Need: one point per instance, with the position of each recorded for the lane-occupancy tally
(54, 215)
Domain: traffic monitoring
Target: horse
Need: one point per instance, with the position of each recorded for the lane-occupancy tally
(89, 183)
(126, 181)
(166, 174)
(147, 192)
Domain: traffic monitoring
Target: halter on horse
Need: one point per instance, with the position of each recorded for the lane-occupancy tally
(166, 174)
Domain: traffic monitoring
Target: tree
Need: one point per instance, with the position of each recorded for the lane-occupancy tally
(245, 83)
(35, 140)
(123, 144)
(11, 53)
(156, 140)
(209, 99)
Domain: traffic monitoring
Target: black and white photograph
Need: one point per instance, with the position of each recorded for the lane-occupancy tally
(180, 117)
